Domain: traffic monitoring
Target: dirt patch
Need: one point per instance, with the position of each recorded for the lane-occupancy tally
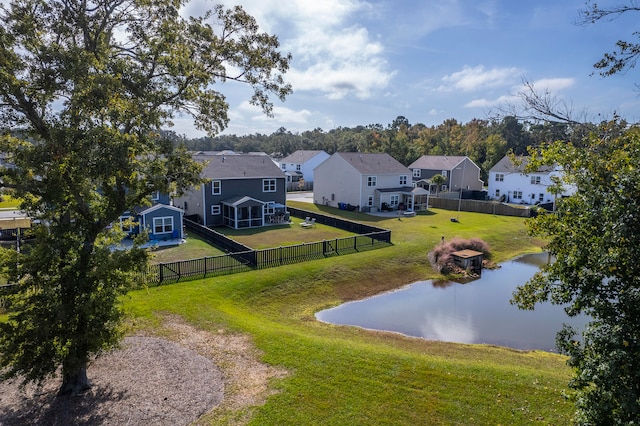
(189, 376)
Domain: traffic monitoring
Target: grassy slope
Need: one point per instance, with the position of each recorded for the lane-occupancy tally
(344, 375)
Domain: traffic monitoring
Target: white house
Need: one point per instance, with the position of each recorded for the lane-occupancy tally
(509, 183)
(300, 165)
(365, 182)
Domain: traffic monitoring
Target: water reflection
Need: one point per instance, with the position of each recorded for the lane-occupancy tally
(476, 312)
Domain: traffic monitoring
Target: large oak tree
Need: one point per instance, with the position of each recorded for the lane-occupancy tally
(85, 87)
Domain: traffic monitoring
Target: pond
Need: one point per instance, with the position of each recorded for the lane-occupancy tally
(475, 312)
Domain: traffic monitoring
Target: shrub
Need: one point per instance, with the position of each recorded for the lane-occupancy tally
(442, 260)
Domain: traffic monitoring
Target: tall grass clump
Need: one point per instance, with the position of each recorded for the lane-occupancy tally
(442, 260)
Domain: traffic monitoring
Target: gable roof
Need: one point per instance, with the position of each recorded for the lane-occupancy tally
(300, 156)
(160, 207)
(505, 165)
(374, 163)
(437, 162)
(242, 166)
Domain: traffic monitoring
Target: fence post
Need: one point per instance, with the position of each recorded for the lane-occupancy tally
(161, 274)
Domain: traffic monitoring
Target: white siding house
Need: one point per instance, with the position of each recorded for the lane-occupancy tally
(509, 183)
(363, 181)
(300, 165)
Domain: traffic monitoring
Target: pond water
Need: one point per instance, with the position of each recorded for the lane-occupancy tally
(475, 312)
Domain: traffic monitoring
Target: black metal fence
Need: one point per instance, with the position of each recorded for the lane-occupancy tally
(164, 273)
(277, 256)
(242, 258)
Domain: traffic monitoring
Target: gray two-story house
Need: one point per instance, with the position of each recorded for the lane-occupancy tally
(241, 191)
(459, 172)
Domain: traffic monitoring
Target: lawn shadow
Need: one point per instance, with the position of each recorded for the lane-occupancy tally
(46, 408)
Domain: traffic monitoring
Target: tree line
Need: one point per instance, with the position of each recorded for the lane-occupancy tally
(485, 141)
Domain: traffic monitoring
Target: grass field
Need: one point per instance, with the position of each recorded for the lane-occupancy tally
(347, 376)
(8, 202)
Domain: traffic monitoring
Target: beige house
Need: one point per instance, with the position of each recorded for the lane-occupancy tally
(365, 182)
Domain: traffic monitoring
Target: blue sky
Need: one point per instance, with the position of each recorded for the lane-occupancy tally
(365, 62)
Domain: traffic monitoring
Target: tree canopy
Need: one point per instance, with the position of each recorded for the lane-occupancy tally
(594, 238)
(85, 87)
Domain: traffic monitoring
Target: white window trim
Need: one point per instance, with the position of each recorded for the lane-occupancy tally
(417, 173)
(269, 185)
(213, 187)
(162, 224)
(403, 179)
(216, 209)
(372, 181)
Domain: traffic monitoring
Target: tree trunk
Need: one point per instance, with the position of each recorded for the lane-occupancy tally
(74, 383)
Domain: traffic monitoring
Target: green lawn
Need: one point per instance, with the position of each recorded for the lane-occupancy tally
(283, 235)
(8, 202)
(343, 375)
(194, 248)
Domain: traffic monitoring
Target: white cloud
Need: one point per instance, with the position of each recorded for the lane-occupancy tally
(485, 103)
(477, 78)
(331, 54)
(553, 85)
(550, 85)
(251, 117)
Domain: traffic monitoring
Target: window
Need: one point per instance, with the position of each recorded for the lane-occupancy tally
(403, 180)
(155, 196)
(499, 177)
(283, 166)
(541, 197)
(269, 208)
(370, 201)
(216, 210)
(444, 173)
(535, 180)
(268, 185)
(216, 187)
(126, 223)
(533, 196)
(394, 200)
(417, 173)
(497, 193)
(517, 195)
(298, 167)
(371, 181)
(162, 225)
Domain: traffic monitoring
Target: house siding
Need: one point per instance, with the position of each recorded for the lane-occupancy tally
(517, 187)
(342, 175)
(461, 172)
(162, 212)
(338, 183)
(246, 187)
(307, 160)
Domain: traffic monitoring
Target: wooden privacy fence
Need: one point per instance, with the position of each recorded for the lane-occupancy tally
(477, 206)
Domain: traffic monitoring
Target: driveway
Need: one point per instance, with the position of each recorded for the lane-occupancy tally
(303, 196)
